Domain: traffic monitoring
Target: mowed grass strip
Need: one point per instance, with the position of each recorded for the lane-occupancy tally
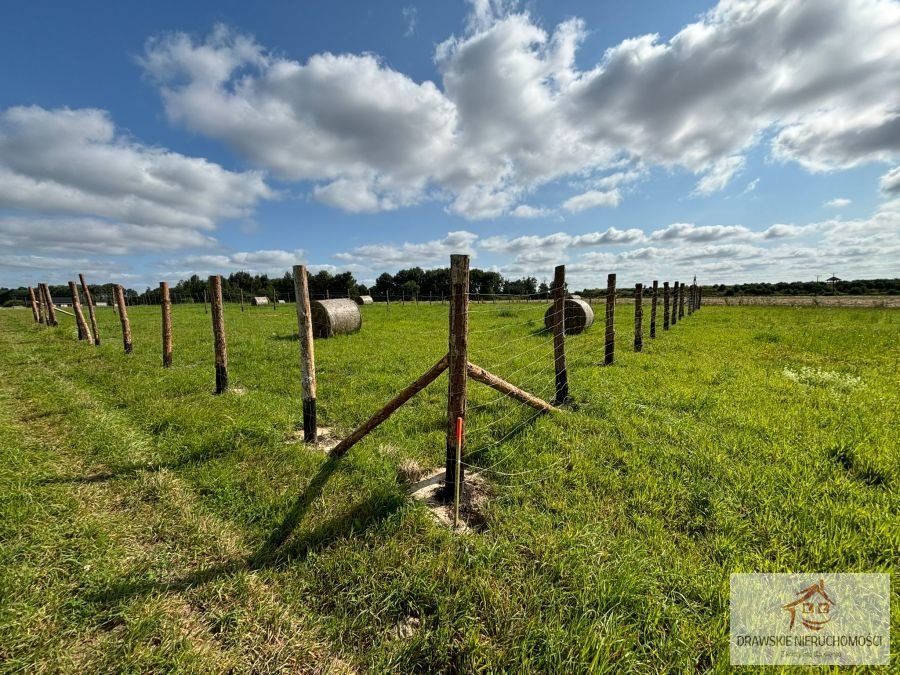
(150, 525)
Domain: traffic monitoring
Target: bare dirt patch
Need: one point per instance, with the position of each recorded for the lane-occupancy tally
(473, 499)
(326, 439)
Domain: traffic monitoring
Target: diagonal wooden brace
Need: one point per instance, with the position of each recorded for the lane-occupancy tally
(369, 425)
(491, 380)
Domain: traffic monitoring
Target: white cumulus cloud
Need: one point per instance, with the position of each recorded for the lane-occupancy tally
(512, 110)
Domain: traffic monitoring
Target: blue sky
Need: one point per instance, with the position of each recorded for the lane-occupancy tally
(739, 141)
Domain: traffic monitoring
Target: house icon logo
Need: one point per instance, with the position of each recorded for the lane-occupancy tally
(813, 604)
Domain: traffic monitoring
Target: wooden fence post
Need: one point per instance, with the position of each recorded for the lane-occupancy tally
(665, 305)
(42, 305)
(51, 309)
(166, 303)
(307, 355)
(83, 332)
(458, 360)
(42, 312)
(218, 325)
(638, 317)
(205, 310)
(242, 301)
(274, 301)
(699, 297)
(559, 335)
(90, 305)
(674, 303)
(653, 304)
(609, 356)
(123, 317)
(34, 309)
(681, 302)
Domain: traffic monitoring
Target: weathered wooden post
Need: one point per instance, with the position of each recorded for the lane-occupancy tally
(83, 332)
(681, 302)
(42, 312)
(690, 303)
(205, 310)
(458, 359)
(610, 356)
(559, 335)
(51, 310)
(665, 305)
(90, 305)
(699, 297)
(123, 317)
(274, 301)
(638, 317)
(242, 301)
(653, 304)
(218, 325)
(166, 303)
(307, 354)
(674, 303)
(34, 308)
(42, 305)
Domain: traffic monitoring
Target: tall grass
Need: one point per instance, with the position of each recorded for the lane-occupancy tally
(147, 524)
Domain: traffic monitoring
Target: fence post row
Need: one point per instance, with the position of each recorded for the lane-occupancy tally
(307, 354)
(458, 360)
(83, 331)
(42, 309)
(51, 310)
(666, 305)
(559, 334)
(675, 292)
(653, 303)
(609, 356)
(90, 305)
(166, 304)
(638, 317)
(218, 326)
(34, 309)
(123, 318)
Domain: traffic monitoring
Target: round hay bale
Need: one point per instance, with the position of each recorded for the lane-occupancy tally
(335, 317)
(365, 300)
(579, 316)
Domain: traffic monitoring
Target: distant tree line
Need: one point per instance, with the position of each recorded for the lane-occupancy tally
(855, 287)
(14, 297)
(435, 283)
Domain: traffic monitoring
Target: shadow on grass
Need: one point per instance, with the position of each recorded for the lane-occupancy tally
(275, 551)
(207, 453)
(292, 337)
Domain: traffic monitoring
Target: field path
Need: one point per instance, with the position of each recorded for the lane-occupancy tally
(135, 549)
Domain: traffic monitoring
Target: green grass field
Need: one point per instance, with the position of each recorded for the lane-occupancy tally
(149, 525)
